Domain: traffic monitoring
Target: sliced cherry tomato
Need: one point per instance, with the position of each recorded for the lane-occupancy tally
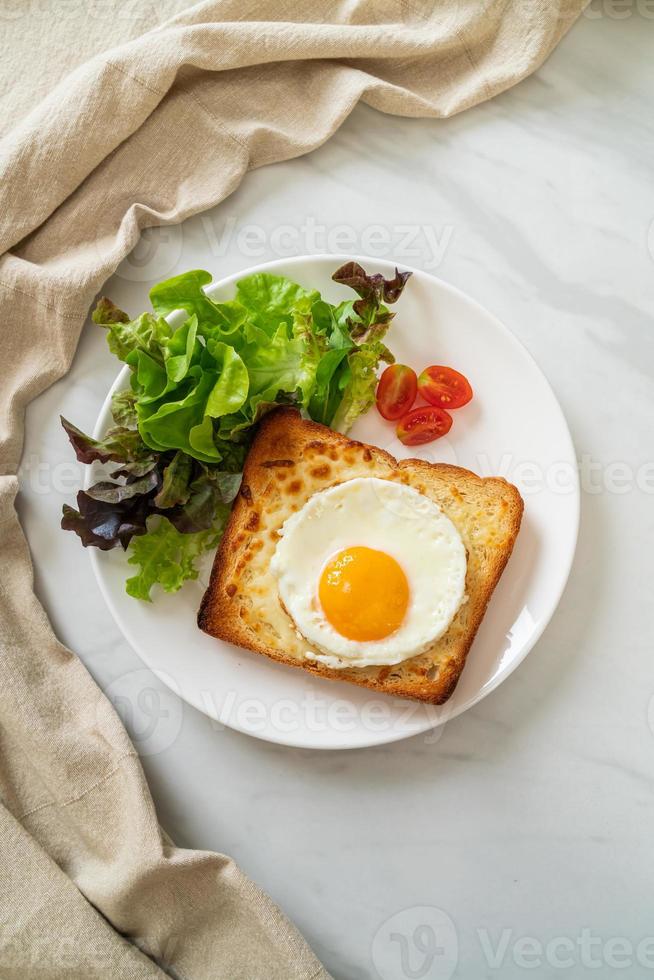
(396, 391)
(445, 387)
(423, 424)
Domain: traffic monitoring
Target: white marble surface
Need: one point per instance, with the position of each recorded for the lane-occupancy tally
(532, 815)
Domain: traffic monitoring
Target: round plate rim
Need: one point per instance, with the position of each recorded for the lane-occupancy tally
(503, 673)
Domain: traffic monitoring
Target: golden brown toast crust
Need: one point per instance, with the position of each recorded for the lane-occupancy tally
(290, 460)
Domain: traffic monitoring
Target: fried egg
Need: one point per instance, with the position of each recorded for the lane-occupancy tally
(371, 572)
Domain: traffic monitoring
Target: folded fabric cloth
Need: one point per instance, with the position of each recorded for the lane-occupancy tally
(148, 133)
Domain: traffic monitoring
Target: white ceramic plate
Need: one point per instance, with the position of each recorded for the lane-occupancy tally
(514, 427)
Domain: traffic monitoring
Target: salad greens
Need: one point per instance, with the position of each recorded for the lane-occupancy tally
(182, 430)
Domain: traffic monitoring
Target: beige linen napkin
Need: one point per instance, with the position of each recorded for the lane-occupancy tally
(162, 127)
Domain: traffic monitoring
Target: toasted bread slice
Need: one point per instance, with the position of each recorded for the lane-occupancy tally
(290, 460)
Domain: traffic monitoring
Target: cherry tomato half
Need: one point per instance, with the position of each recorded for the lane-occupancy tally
(423, 424)
(445, 387)
(396, 391)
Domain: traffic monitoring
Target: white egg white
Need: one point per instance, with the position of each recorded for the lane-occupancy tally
(388, 517)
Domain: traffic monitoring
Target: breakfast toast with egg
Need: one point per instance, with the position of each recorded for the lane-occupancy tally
(290, 460)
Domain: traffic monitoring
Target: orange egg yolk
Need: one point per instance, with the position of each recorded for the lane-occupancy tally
(364, 594)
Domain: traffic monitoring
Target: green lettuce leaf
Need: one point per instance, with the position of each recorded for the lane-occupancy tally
(107, 312)
(181, 424)
(166, 557)
(147, 333)
(367, 320)
(231, 389)
(175, 488)
(359, 384)
(123, 409)
(181, 350)
(184, 293)
(331, 378)
(271, 300)
(210, 380)
(197, 391)
(283, 364)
